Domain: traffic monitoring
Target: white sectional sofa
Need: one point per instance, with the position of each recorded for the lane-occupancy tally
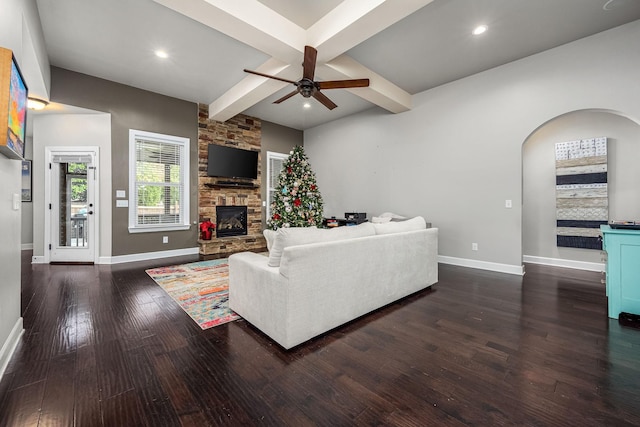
(317, 279)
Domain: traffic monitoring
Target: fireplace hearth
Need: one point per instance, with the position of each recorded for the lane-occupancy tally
(231, 221)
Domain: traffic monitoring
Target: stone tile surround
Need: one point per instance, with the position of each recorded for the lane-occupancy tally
(242, 132)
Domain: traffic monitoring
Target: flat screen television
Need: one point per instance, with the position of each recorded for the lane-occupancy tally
(14, 99)
(230, 162)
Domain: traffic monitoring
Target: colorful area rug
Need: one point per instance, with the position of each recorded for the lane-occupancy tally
(200, 288)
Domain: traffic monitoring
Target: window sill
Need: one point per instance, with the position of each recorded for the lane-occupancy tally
(159, 228)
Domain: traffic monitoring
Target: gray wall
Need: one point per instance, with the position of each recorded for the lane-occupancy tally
(538, 170)
(456, 157)
(279, 139)
(132, 108)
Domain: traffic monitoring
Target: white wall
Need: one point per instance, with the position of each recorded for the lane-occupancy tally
(71, 130)
(10, 320)
(457, 155)
(21, 32)
(539, 195)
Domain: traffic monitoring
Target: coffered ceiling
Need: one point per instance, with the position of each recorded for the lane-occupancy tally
(402, 46)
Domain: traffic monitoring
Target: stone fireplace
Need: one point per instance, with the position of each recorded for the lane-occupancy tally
(220, 200)
(231, 221)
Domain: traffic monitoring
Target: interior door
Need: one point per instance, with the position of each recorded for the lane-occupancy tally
(73, 213)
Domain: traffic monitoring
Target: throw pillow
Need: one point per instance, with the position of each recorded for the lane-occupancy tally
(413, 224)
(380, 219)
(393, 216)
(286, 237)
(269, 236)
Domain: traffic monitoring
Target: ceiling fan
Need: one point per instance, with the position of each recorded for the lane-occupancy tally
(307, 87)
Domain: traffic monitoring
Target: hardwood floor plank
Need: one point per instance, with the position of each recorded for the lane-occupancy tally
(88, 404)
(58, 401)
(114, 376)
(21, 406)
(124, 409)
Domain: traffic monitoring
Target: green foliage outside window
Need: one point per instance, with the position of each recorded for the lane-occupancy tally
(78, 184)
(151, 190)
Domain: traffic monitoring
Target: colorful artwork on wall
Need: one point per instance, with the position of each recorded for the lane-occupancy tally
(17, 110)
(582, 202)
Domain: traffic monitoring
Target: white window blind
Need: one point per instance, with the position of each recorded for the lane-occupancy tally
(275, 161)
(159, 182)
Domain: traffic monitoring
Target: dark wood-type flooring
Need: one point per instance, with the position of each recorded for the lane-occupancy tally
(104, 345)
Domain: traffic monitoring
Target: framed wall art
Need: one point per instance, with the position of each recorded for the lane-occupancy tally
(26, 180)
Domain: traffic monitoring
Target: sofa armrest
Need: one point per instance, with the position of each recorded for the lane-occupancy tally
(257, 291)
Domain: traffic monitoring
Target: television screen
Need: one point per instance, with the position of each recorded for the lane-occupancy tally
(230, 162)
(17, 110)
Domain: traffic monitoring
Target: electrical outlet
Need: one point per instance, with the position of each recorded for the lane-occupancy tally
(474, 246)
(508, 204)
(165, 239)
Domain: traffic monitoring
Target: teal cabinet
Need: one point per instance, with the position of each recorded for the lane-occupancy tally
(623, 270)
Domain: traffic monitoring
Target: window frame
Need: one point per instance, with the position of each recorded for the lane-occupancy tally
(272, 186)
(183, 145)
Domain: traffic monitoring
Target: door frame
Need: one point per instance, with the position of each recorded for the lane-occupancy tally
(94, 234)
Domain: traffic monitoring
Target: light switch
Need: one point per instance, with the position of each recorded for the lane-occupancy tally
(16, 202)
(508, 204)
(122, 203)
(121, 194)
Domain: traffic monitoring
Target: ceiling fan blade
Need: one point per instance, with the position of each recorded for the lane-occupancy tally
(309, 64)
(287, 96)
(324, 100)
(268, 76)
(343, 84)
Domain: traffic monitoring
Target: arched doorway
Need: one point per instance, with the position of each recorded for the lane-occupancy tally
(538, 183)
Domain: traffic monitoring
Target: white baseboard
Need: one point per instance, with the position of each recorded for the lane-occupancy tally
(148, 255)
(133, 257)
(567, 263)
(27, 246)
(10, 345)
(482, 265)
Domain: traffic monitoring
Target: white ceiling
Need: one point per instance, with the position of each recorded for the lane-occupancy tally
(403, 46)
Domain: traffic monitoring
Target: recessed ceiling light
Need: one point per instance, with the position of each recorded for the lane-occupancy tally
(306, 105)
(161, 54)
(480, 29)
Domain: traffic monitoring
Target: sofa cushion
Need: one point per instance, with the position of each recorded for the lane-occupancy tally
(413, 224)
(294, 236)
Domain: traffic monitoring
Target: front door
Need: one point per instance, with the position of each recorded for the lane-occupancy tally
(73, 180)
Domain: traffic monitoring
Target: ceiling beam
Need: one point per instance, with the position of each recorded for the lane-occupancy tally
(380, 92)
(258, 26)
(251, 90)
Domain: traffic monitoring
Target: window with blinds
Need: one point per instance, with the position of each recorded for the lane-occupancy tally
(274, 166)
(158, 182)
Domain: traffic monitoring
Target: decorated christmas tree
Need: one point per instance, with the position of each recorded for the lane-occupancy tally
(297, 202)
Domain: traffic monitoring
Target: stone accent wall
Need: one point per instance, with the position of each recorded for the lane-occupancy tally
(241, 132)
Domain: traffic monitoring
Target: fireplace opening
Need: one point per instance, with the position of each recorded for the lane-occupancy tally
(231, 221)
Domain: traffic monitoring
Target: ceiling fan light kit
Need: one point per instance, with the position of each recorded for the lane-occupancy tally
(307, 87)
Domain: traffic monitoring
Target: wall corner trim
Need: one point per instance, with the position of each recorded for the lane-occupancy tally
(10, 345)
(482, 265)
